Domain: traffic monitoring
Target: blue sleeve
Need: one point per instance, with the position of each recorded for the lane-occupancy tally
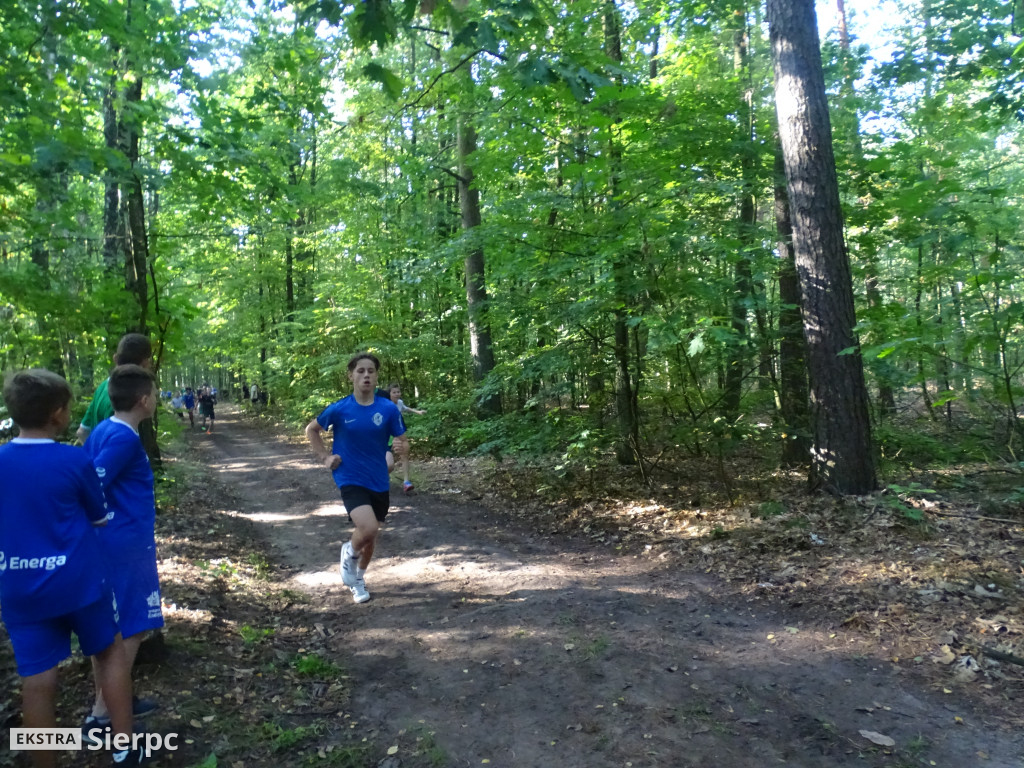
(111, 459)
(91, 492)
(326, 417)
(397, 424)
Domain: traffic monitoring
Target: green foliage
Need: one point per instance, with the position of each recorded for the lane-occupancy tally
(925, 445)
(302, 189)
(312, 665)
(260, 564)
(897, 499)
(426, 745)
(770, 509)
(252, 637)
(340, 757)
(281, 739)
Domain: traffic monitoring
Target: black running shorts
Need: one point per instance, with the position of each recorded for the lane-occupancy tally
(356, 496)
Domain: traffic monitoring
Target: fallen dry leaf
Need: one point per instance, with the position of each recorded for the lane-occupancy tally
(878, 738)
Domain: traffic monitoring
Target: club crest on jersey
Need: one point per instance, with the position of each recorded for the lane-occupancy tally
(378, 418)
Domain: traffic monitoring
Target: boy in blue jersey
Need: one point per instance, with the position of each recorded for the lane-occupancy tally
(51, 568)
(400, 445)
(362, 424)
(189, 401)
(128, 541)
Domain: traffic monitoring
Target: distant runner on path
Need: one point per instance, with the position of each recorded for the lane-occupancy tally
(362, 424)
(206, 402)
(400, 445)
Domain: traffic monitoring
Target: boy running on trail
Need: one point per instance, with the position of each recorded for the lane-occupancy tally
(400, 445)
(128, 542)
(52, 573)
(206, 401)
(177, 404)
(189, 401)
(362, 424)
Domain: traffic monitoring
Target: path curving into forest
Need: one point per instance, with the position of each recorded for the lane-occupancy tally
(514, 649)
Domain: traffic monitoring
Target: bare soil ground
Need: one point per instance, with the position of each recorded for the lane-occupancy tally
(496, 637)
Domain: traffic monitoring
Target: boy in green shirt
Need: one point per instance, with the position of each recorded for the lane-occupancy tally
(133, 349)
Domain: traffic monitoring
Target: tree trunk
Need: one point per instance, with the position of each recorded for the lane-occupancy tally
(842, 457)
(625, 395)
(480, 344)
(736, 364)
(796, 441)
(113, 229)
(137, 257)
(959, 333)
(922, 373)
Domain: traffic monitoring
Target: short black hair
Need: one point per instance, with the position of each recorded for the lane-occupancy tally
(34, 395)
(363, 356)
(129, 384)
(133, 349)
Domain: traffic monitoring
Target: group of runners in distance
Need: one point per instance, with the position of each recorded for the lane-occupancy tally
(185, 402)
(77, 538)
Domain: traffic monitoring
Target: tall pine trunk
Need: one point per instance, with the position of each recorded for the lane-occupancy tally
(842, 457)
(796, 442)
(735, 370)
(626, 447)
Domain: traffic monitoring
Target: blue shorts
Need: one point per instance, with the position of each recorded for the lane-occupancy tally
(137, 591)
(42, 645)
(356, 496)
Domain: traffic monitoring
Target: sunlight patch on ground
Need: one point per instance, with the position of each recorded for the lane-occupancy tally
(331, 509)
(326, 578)
(301, 463)
(272, 517)
(235, 466)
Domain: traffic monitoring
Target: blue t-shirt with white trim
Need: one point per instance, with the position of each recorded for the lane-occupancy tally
(50, 500)
(123, 469)
(361, 435)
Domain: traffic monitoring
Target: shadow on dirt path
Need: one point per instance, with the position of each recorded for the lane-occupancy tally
(501, 647)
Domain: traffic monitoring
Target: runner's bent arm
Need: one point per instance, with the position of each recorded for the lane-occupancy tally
(315, 435)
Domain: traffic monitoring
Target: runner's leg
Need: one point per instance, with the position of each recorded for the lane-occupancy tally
(364, 538)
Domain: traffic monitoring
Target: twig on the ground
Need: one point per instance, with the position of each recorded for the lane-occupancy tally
(871, 514)
(976, 517)
(1001, 656)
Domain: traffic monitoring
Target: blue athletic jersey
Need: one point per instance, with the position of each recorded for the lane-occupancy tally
(50, 561)
(122, 467)
(361, 435)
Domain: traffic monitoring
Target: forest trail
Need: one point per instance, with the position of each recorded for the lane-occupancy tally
(515, 649)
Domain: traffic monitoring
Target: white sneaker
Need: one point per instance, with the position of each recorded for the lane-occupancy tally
(349, 565)
(359, 593)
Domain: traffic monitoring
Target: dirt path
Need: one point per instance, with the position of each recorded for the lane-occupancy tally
(517, 650)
